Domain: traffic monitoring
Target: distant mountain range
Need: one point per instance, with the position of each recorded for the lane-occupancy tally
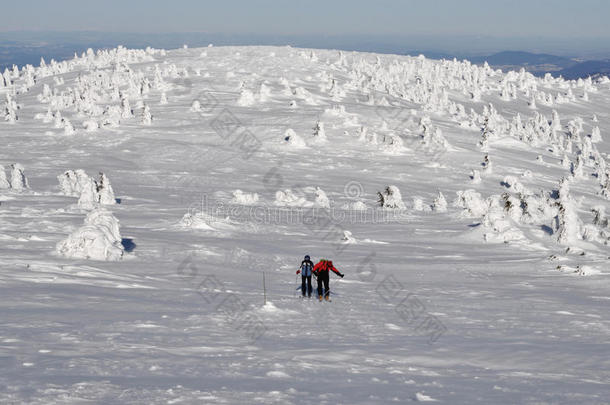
(537, 63)
(29, 47)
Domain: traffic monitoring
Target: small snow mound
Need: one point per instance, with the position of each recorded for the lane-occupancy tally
(355, 206)
(348, 238)
(195, 106)
(423, 398)
(292, 139)
(241, 198)
(205, 221)
(287, 198)
(246, 98)
(392, 145)
(270, 307)
(91, 125)
(513, 184)
(588, 271)
(418, 204)
(277, 374)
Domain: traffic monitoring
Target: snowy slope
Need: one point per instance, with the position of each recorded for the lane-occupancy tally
(144, 285)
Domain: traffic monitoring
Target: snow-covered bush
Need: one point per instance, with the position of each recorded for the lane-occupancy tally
(392, 144)
(487, 166)
(195, 105)
(4, 183)
(568, 225)
(321, 199)
(473, 204)
(496, 225)
(599, 216)
(391, 198)
(246, 98)
(287, 198)
(98, 239)
(88, 198)
(264, 93)
(292, 139)
(318, 132)
(163, 100)
(90, 192)
(596, 135)
(72, 182)
(440, 203)
(475, 177)
(104, 218)
(91, 125)
(513, 184)
(348, 238)
(355, 206)
(146, 118)
(241, 198)
(419, 205)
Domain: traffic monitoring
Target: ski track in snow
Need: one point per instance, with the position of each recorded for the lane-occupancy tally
(157, 327)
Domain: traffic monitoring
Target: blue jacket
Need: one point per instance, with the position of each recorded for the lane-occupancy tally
(306, 268)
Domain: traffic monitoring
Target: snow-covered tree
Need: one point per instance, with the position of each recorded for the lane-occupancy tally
(596, 135)
(4, 183)
(10, 110)
(147, 117)
(18, 179)
(68, 127)
(440, 203)
(567, 223)
(321, 199)
(391, 198)
(126, 111)
(163, 100)
(104, 191)
(487, 166)
(318, 130)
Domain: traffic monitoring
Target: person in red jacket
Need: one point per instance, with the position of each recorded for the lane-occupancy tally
(321, 271)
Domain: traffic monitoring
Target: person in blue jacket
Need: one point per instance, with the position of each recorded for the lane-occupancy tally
(305, 271)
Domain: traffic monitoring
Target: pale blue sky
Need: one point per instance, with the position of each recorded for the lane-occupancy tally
(500, 18)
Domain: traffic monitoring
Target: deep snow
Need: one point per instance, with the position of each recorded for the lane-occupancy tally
(226, 162)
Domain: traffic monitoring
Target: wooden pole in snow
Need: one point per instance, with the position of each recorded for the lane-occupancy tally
(264, 288)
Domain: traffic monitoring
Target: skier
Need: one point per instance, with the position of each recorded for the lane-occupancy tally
(321, 271)
(305, 271)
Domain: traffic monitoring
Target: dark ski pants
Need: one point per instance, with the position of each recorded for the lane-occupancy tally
(306, 285)
(323, 279)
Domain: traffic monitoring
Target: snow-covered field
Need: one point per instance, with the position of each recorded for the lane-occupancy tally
(484, 277)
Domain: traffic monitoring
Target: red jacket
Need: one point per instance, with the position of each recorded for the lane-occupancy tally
(325, 265)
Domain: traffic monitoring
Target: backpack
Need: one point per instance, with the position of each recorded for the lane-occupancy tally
(306, 267)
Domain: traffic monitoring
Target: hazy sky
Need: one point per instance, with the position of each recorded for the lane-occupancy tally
(501, 18)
